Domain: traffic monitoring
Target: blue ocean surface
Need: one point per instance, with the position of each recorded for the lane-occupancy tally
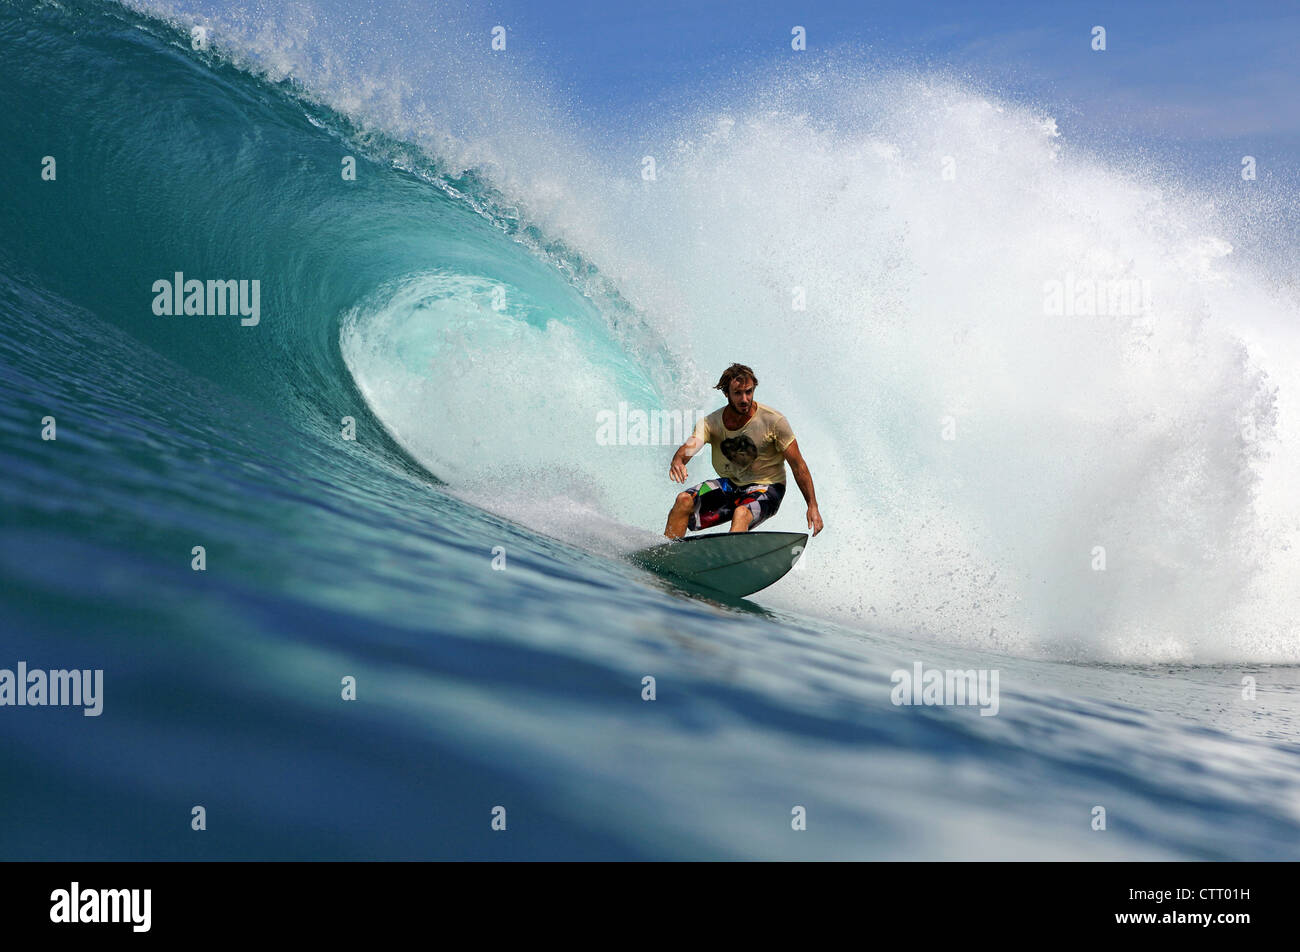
(394, 477)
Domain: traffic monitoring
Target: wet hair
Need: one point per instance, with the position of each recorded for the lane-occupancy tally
(734, 372)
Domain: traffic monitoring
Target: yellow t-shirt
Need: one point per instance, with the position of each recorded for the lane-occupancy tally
(753, 454)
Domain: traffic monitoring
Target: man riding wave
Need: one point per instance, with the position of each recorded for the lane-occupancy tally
(751, 445)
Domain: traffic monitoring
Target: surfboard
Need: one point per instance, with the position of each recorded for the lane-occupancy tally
(732, 563)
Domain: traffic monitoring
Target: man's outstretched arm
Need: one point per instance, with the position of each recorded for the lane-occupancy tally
(803, 479)
(677, 468)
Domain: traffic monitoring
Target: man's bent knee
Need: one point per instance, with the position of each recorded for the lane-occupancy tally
(685, 500)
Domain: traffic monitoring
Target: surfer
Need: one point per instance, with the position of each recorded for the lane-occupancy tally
(751, 445)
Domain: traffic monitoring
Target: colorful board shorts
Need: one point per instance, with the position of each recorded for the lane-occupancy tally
(717, 499)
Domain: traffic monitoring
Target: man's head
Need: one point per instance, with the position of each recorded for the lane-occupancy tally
(738, 383)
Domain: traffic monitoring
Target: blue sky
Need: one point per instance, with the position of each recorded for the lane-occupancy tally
(1199, 76)
(1195, 84)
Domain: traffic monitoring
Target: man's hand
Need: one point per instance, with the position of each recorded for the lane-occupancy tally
(677, 469)
(814, 519)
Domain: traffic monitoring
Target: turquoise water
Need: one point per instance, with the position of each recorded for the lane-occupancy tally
(458, 557)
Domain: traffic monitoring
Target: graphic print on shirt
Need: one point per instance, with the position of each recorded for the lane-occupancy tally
(740, 450)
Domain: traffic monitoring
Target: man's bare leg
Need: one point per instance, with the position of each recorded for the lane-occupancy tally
(679, 515)
(741, 519)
